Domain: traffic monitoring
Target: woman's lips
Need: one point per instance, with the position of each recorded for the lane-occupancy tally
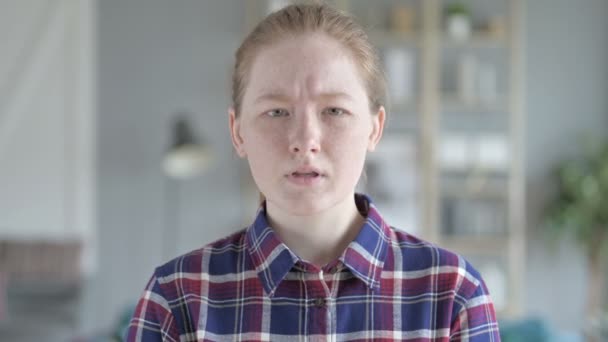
(305, 178)
(305, 174)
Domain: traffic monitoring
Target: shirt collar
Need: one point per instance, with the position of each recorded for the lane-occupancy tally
(364, 256)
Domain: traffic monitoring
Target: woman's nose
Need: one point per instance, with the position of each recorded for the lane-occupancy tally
(305, 135)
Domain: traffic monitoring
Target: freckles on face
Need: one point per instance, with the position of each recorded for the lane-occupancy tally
(309, 73)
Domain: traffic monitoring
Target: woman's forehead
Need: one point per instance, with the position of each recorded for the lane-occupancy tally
(316, 67)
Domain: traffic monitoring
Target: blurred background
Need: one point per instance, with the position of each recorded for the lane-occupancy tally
(115, 153)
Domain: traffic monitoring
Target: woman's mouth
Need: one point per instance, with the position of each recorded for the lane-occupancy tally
(305, 177)
(305, 174)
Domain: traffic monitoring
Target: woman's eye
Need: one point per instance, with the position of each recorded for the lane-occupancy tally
(277, 112)
(334, 111)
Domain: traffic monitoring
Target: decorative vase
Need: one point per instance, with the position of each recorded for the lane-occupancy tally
(459, 26)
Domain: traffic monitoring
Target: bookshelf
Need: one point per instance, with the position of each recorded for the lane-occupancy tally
(454, 132)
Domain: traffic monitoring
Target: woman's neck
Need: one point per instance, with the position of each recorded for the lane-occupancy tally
(318, 238)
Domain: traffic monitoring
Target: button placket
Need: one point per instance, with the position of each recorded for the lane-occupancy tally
(320, 302)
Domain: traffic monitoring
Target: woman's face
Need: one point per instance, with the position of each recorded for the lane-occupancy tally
(305, 125)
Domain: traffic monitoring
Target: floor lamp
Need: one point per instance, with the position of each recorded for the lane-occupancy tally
(187, 158)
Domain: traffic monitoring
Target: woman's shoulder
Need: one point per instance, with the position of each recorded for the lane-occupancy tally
(217, 257)
(418, 254)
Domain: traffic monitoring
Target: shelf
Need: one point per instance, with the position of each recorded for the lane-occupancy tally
(481, 174)
(452, 103)
(383, 39)
(474, 217)
(477, 40)
(474, 188)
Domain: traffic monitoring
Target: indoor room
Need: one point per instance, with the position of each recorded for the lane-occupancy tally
(116, 155)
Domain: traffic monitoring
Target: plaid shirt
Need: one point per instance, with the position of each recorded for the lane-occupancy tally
(387, 285)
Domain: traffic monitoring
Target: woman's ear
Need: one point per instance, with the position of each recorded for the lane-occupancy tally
(377, 128)
(235, 133)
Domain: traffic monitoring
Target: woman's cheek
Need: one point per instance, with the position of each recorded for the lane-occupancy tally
(264, 131)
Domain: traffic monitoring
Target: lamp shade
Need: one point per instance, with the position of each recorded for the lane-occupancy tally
(187, 156)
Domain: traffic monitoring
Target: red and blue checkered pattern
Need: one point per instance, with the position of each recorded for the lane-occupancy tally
(386, 286)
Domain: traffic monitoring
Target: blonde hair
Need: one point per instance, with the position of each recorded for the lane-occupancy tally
(300, 19)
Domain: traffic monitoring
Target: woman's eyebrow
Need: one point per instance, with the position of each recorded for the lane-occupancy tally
(272, 96)
(280, 97)
(335, 94)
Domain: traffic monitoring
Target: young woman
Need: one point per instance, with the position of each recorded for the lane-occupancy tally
(318, 263)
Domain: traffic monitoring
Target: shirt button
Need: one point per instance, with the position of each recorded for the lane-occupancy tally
(320, 302)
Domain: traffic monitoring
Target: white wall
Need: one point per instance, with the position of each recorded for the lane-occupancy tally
(47, 135)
